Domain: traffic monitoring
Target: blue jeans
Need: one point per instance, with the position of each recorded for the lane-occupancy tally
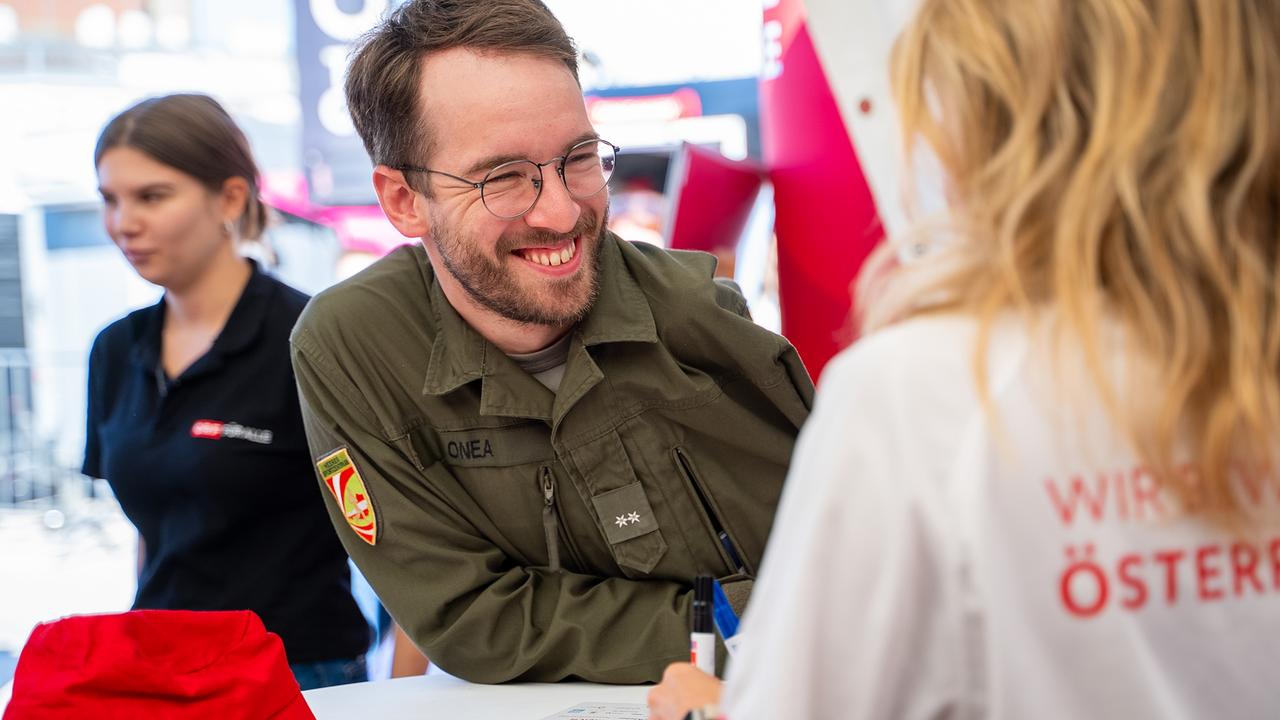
(312, 675)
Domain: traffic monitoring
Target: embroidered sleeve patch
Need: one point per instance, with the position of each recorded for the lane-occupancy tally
(343, 480)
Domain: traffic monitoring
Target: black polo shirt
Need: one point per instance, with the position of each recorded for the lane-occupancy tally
(213, 468)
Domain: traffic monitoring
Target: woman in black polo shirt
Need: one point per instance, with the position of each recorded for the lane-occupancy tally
(193, 412)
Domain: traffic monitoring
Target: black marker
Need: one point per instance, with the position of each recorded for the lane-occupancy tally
(702, 641)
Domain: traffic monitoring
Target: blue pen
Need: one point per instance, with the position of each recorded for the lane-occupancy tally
(726, 618)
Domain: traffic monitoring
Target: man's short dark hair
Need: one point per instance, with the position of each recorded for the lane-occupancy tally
(382, 82)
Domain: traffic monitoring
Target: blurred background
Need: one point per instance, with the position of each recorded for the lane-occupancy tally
(761, 131)
(659, 76)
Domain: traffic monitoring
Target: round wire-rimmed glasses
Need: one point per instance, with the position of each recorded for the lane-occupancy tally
(513, 188)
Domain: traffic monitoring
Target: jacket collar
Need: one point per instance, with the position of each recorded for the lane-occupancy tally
(460, 355)
(621, 312)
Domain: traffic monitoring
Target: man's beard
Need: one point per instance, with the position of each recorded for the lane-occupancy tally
(556, 303)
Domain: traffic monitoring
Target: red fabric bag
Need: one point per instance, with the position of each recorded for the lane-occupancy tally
(155, 664)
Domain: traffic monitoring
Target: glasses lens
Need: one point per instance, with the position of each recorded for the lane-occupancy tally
(511, 188)
(587, 167)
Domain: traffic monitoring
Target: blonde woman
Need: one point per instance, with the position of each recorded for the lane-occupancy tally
(1047, 488)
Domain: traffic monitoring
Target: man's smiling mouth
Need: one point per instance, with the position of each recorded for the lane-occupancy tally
(550, 257)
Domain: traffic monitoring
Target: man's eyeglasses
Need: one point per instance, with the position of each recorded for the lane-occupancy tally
(512, 188)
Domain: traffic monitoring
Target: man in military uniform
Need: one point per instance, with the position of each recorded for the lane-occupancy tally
(534, 434)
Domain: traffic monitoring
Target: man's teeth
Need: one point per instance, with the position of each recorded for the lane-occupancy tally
(552, 258)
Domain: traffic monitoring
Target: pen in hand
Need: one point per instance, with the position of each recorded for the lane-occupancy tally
(702, 639)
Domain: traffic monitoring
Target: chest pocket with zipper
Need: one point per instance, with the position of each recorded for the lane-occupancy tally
(729, 548)
(500, 471)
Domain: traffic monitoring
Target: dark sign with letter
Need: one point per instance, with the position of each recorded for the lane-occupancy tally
(337, 167)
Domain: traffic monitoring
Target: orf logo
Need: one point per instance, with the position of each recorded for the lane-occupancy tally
(344, 482)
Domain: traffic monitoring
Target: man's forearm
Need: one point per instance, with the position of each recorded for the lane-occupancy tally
(536, 626)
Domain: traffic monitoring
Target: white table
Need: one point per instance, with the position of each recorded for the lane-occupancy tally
(441, 697)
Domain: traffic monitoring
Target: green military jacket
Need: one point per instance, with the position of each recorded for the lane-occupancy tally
(520, 534)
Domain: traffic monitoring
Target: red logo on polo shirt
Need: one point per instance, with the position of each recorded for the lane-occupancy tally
(217, 430)
(208, 429)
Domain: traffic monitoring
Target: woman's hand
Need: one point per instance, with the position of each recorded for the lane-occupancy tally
(682, 689)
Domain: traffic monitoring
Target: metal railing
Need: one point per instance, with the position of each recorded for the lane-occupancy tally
(29, 472)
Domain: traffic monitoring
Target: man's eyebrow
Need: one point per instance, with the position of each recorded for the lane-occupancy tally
(484, 165)
(589, 135)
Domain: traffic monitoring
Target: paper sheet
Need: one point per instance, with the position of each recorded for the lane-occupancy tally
(602, 711)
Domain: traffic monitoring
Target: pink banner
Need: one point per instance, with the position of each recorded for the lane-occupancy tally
(827, 222)
(360, 228)
(714, 200)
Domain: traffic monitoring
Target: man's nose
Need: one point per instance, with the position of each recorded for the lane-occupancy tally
(556, 210)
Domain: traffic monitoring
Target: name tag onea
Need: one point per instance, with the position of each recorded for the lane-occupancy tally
(496, 447)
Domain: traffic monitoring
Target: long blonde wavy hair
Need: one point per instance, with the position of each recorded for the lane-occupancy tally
(1112, 159)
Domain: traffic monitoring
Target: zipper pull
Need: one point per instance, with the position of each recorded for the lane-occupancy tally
(550, 519)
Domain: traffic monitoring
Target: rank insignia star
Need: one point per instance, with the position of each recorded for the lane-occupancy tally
(634, 518)
(621, 520)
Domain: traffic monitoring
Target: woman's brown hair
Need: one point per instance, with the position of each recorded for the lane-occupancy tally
(191, 133)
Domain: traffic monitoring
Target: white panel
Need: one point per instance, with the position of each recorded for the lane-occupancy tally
(854, 39)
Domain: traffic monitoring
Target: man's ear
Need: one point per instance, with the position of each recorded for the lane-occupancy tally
(400, 203)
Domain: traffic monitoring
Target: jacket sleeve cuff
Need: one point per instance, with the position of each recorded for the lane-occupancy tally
(738, 591)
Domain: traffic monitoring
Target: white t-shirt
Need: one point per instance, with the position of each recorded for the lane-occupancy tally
(927, 563)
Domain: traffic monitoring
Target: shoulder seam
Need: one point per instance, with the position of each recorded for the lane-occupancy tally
(305, 345)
